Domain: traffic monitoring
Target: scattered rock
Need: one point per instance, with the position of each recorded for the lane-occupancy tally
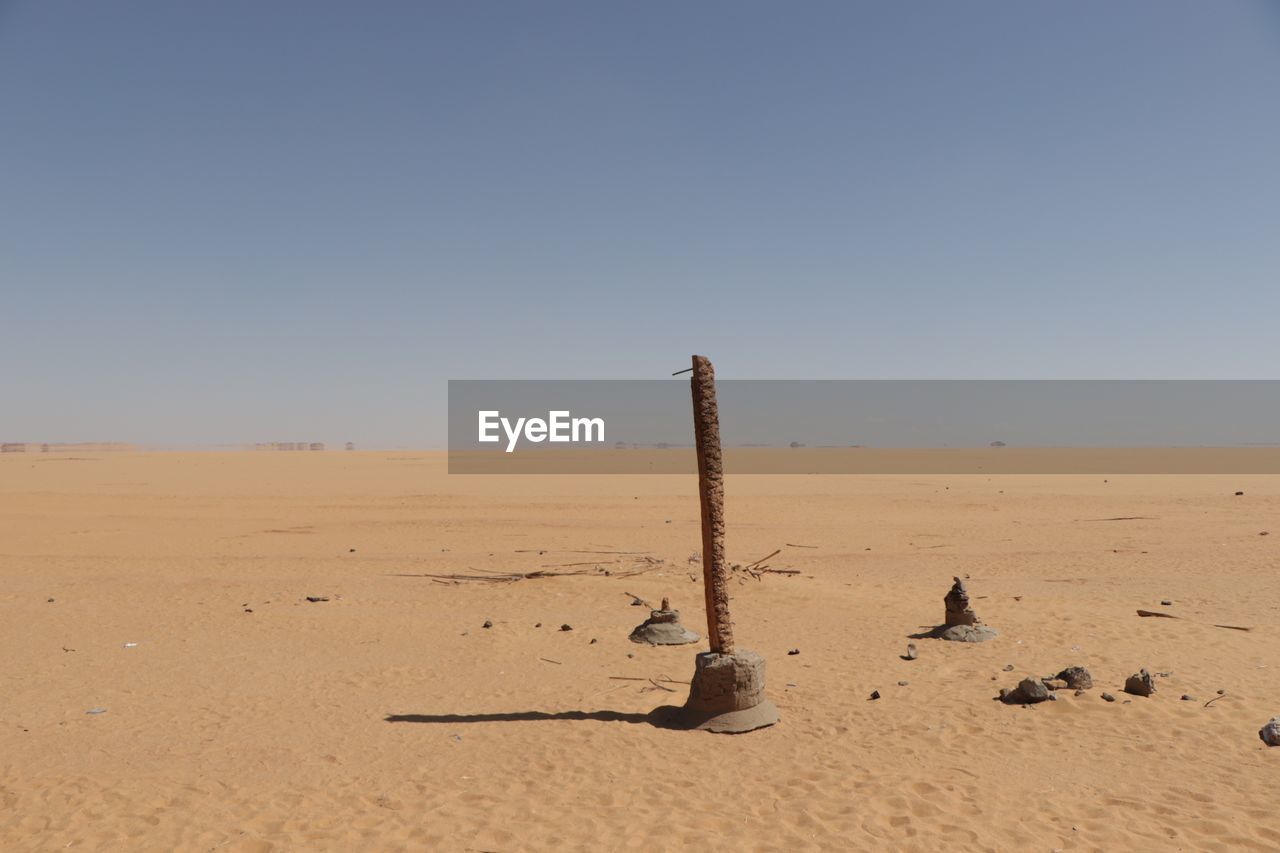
(351, 550)
(1166, 602)
(537, 624)
(487, 624)
(1238, 494)
(1031, 690)
(1270, 733)
(1056, 684)
(902, 684)
(49, 601)
(1008, 667)
(875, 694)
(593, 641)
(317, 598)
(1077, 677)
(1140, 684)
(247, 610)
(1028, 692)
(794, 652)
(1053, 697)
(911, 652)
(1080, 692)
(1107, 697)
(566, 627)
(1187, 697)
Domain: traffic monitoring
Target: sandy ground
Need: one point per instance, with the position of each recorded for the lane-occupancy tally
(388, 718)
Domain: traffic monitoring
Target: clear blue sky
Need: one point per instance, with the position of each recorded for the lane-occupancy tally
(238, 221)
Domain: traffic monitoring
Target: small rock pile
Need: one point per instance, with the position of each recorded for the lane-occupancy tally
(663, 628)
(961, 624)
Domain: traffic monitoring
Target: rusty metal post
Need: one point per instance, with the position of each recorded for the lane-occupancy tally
(715, 570)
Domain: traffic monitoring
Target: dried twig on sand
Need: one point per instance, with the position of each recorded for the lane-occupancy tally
(493, 577)
(662, 678)
(758, 572)
(1171, 616)
(619, 569)
(1123, 518)
(604, 552)
(762, 559)
(760, 567)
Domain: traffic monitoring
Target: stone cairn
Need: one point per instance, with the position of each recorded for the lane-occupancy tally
(727, 691)
(663, 628)
(961, 624)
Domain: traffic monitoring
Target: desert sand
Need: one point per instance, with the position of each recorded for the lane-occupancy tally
(247, 718)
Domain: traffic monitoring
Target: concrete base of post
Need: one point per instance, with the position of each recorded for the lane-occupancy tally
(727, 694)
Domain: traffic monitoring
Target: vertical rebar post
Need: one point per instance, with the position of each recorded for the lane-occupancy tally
(715, 570)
